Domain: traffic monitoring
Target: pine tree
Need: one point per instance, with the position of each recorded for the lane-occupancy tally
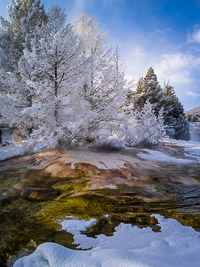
(8, 48)
(23, 18)
(174, 116)
(148, 88)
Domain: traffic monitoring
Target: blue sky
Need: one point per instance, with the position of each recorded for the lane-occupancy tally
(164, 34)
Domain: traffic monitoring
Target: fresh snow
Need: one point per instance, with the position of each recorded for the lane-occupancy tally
(74, 226)
(12, 150)
(115, 160)
(192, 152)
(176, 245)
(191, 147)
(160, 156)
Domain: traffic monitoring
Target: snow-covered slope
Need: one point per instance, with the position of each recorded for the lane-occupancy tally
(12, 150)
(193, 114)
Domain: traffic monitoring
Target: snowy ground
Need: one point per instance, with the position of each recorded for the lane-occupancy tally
(175, 245)
(195, 131)
(191, 148)
(192, 154)
(12, 150)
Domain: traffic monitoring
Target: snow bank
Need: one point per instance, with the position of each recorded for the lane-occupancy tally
(191, 148)
(160, 156)
(175, 245)
(192, 151)
(12, 150)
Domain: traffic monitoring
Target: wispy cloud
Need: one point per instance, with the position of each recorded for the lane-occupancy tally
(195, 36)
(176, 67)
(137, 61)
(193, 94)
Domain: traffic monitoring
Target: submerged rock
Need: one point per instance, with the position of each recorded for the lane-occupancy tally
(39, 193)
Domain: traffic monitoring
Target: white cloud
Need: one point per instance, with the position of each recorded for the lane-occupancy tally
(193, 94)
(194, 37)
(137, 61)
(175, 67)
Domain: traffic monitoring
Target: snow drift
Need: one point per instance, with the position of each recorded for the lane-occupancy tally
(175, 245)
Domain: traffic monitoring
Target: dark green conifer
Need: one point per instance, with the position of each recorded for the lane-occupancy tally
(148, 88)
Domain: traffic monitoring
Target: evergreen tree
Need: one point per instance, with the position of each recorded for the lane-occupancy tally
(8, 48)
(23, 18)
(174, 116)
(148, 88)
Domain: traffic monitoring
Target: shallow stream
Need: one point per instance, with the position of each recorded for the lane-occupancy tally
(25, 223)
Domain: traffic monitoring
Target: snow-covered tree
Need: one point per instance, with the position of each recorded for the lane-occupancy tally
(104, 83)
(8, 50)
(63, 83)
(12, 100)
(52, 71)
(24, 16)
(96, 85)
(174, 116)
(149, 89)
(149, 128)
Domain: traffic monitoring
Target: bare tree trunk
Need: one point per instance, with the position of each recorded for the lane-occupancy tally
(56, 95)
(56, 89)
